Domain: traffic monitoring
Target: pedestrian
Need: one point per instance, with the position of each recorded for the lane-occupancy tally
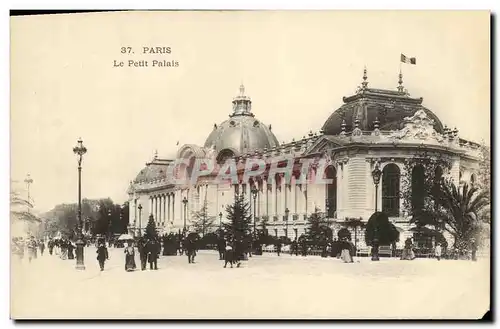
(221, 246)
(41, 245)
(32, 248)
(64, 249)
(408, 253)
(71, 247)
(438, 251)
(102, 254)
(50, 245)
(238, 252)
(278, 247)
(143, 254)
(153, 251)
(228, 256)
(129, 257)
(191, 248)
(345, 254)
(473, 249)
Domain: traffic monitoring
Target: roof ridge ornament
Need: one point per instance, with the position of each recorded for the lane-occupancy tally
(401, 88)
(364, 84)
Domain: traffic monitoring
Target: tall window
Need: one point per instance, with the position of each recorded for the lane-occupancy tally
(331, 191)
(417, 188)
(390, 189)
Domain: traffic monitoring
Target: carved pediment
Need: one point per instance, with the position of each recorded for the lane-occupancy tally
(322, 145)
(418, 127)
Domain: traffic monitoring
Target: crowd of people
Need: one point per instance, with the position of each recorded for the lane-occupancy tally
(232, 250)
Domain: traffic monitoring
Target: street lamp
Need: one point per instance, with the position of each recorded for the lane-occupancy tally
(185, 201)
(287, 212)
(254, 191)
(220, 220)
(80, 150)
(110, 226)
(376, 173)
(140, 218)
(28, 180)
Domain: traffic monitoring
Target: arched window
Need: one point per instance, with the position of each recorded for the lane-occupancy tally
(224, 155)
(417, 188)
(331, 191)
(390, 189)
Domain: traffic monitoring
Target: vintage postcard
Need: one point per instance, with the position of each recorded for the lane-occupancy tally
(250, 165)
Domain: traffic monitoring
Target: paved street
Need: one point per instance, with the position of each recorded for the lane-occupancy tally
(265, 287)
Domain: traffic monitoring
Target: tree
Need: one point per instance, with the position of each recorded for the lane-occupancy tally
(435, 166)
(344, 233)
(318, 230)
(20, 208)
(150, 232)
(201, 220)
(379, 231)
(460, 211)
(239, 219)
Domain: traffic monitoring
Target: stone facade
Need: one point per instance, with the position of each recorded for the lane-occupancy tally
(374, 128)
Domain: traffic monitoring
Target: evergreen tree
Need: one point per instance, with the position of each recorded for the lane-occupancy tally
(151, 232)
(239, 219)
(318, 230)
(202, 221)
(380, 232)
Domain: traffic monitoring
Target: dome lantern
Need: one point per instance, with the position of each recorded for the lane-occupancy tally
(242, 133)
(242, 105)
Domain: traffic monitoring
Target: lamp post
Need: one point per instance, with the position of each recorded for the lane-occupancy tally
(110, 225)
(254, 191)
(287, 212)
(80, 150)
(185, 201)
(220, 220)
(28, 180)
(140, 219)
(376, 174)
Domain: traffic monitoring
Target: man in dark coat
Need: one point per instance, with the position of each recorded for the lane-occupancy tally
(143, 255)
(221, 246)
(153, 249)
(102, 254)
(190, 244)
(41, 245)
(295, 247)
(278, 247)
(50, 245)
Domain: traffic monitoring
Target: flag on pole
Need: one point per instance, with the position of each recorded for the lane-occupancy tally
(408, 60)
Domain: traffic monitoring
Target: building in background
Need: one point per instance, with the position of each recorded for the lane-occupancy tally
(374, 128)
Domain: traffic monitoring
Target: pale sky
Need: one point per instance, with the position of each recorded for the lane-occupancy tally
(296, 67)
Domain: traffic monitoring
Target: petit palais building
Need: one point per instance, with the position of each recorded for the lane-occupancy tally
(372, 129)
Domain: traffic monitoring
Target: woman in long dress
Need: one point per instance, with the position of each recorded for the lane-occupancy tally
(64, 249)
(129, 257)
(408, 253)
(345, 254)
(71, 247)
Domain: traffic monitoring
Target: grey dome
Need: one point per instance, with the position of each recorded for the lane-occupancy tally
(242, 132)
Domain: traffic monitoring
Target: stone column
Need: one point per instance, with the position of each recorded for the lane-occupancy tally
(150, 205)
(273, 198)
(339, 190)
(283, 198)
